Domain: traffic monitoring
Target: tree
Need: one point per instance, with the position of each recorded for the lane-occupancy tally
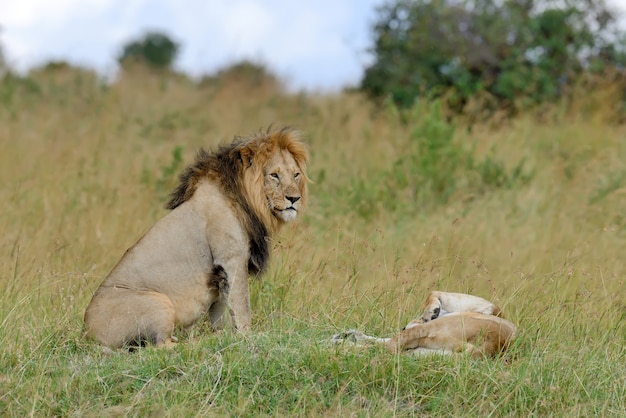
(512, 50)
(154, 48)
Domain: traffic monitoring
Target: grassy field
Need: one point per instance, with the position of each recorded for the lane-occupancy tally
(529, 213)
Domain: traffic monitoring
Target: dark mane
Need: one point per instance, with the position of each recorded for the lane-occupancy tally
(224, 166)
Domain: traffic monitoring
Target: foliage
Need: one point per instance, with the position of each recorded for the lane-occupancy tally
(14, 87)
(518, 52)
(433, 168)
(155, 49)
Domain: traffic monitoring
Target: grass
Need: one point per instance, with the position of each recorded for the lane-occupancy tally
(85, 170)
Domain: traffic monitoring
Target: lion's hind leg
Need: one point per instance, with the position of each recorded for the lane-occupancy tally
(440, 303)
(432, 307)
(218, 283)
(118, 317)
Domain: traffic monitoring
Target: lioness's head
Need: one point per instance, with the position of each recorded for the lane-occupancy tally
(275, 164)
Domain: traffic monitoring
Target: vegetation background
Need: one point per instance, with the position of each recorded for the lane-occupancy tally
(527, 211)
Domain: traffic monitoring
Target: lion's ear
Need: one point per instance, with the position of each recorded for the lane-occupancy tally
(246, 154)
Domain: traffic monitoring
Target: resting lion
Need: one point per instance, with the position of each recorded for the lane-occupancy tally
(450, 323)
(196, 260)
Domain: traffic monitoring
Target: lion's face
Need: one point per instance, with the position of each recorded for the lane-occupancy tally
(283, 182)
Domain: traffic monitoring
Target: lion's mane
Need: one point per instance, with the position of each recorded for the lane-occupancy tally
(238, 170)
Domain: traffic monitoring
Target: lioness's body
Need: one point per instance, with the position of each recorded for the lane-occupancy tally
(471, 332)
(196, 260)
(450, 323)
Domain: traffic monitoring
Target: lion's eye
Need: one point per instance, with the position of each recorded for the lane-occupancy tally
(274, 176)
(295, 176)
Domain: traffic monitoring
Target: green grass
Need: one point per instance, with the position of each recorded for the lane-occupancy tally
(84, 170)
(288, 368)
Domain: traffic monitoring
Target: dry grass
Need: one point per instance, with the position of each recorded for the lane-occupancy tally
(84, 171)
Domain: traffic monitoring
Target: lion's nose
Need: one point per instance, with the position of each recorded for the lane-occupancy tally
(293, 199)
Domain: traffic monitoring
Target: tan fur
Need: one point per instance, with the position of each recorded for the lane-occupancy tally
(196, 260)
(475, 333)
(450, 323)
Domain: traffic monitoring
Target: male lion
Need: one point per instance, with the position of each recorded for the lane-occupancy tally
(197, 259)
(451, 323)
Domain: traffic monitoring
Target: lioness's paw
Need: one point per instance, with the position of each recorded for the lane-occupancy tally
(431, 314)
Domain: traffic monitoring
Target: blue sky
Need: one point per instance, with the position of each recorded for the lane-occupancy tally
(311, 44)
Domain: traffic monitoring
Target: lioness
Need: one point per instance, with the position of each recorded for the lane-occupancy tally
(196, 260)
(450, 323)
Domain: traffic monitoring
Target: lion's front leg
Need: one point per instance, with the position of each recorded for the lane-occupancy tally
(229, 249)
(238, 297)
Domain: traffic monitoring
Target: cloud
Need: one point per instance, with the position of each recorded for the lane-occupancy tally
(313, 43)
(33, 13)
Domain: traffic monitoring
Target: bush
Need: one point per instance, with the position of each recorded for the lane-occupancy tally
(519, 52)
(433, 169)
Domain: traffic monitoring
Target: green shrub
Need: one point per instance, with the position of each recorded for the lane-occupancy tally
(433, 168)
(519, 52)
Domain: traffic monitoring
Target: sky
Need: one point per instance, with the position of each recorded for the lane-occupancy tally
(310, 44)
